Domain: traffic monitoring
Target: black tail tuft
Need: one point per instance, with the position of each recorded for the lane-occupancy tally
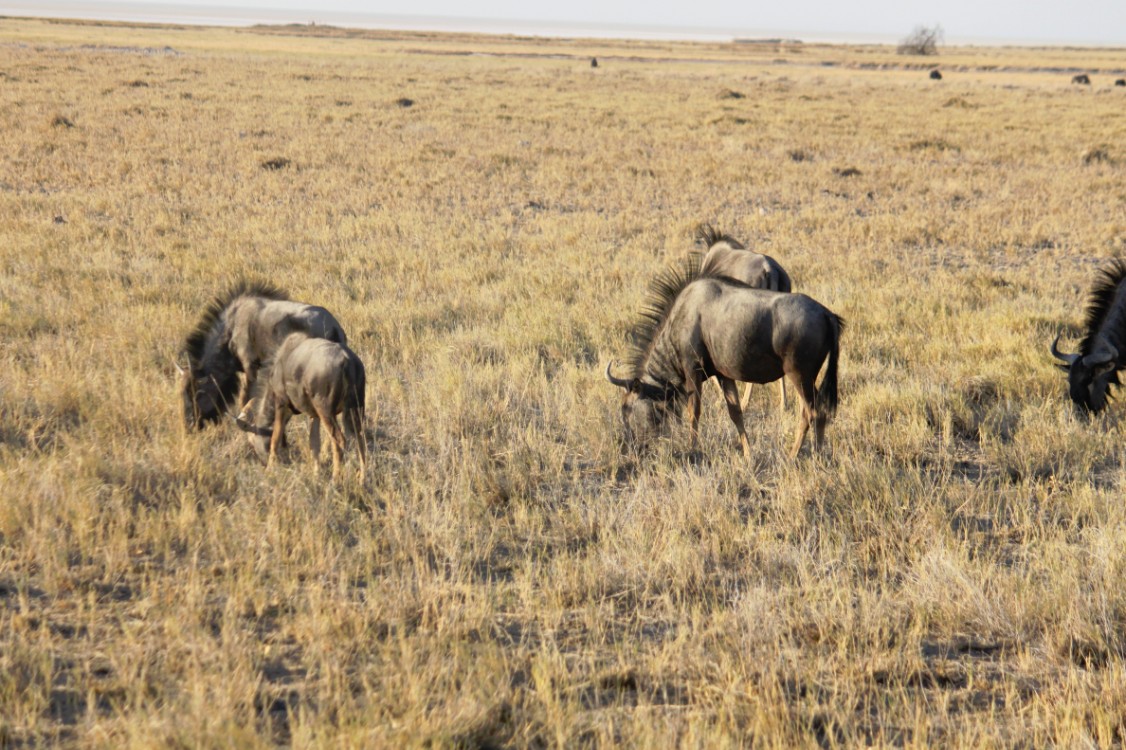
(827, 395)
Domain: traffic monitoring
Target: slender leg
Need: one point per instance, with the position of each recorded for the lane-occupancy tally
(315, 440)
(354, 425)
(746, 397)
(278, 434)
(694, 415)
(333, 429)
(246, 382)
(731, 396)
(819, 422)
(807, 393)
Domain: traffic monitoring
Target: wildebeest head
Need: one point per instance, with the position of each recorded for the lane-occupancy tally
(255, 420)
(645, 408)
(1090, 376)
(201, 397)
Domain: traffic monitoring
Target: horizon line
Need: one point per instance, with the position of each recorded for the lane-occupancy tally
(239, 16)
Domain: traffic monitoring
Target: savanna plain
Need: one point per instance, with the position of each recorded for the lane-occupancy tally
(483, 215)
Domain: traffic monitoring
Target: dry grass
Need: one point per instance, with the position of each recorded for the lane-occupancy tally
(951, 574)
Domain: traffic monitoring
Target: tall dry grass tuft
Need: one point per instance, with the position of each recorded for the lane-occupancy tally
(485, 226)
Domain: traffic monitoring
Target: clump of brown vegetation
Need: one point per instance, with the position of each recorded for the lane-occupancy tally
(1097, 155)
(949, 575)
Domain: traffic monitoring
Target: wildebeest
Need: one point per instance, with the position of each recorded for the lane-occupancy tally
(594, 62)
(1102, 350)
(697, 326)
(237, 332)
(936, 75)
(727, 257)
(315, 377)
(1081, 78)
(1120, 82)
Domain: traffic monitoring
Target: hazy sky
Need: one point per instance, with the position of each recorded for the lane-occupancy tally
(1079, 21)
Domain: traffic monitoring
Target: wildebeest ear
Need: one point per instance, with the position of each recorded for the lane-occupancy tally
(1103, 358)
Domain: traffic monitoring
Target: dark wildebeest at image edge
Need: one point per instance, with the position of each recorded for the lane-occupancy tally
(239, 330)
(726, 256)
(695, 327)
(315, 377)
(1102, 350)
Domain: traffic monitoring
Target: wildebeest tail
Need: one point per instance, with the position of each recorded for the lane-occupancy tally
(355, 395)
(827, 393)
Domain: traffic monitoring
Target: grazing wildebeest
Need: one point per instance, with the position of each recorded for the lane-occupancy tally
(1102, 351)
(935, 75)
(1120, 82)
(315, 377)
(238, 330)
(727, 257)
(1081, 78)
(696, 327)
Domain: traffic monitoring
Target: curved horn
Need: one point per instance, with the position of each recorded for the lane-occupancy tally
(1069, 358)
(620, 382)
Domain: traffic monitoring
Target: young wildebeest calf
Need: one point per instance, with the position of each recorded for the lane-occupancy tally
(727, 257)
(315, 377)
(700, 327)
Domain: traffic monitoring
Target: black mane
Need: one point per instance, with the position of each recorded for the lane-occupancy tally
(663, 291)
(195, 346)
(709, 235)
(1101, 304)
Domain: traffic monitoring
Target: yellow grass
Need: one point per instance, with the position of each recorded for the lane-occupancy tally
(950, 574)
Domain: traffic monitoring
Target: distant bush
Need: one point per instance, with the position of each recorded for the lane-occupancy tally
(922, 41)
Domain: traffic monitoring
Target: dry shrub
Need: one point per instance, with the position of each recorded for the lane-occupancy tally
(1098, 155)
